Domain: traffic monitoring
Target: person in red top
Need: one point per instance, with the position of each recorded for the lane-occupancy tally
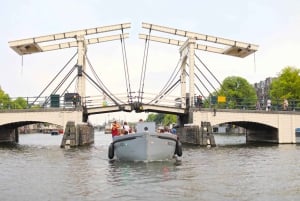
(115, 129)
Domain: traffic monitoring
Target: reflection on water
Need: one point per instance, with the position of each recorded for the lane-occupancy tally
(230, 139)
(38, 169)
(122, 173)
(146, 179)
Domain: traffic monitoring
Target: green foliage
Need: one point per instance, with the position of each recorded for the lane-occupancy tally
(157, 118)
(239, 93)
(19, 103)
(151, 117)
(7, 103)
(4, 99)
(287, 84)
(169, 119)
(35, 106)
(164, 119)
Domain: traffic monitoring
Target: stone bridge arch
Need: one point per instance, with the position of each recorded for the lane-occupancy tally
(52, 116)
(256, 131)
(12, 120)
(276, 126)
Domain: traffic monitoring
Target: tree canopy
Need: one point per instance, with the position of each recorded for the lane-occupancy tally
(238, 92)
(287, 84)
(7, 103)
(4, 99)
(163, 119)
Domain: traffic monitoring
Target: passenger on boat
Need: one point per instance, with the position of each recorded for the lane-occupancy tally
(125, 128)
(173, 130)
(115, 129)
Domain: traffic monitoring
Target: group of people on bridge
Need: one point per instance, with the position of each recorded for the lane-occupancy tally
(198, 101)
(285, 105)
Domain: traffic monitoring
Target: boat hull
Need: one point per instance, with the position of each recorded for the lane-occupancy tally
(145, 146)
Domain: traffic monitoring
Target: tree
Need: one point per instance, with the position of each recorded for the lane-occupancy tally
(164, 119)
(151, 117)
(157, 118)
(287, 84)
(239, 93)
(7, 103)
(19, 103)
(169, 119)
(4, 99)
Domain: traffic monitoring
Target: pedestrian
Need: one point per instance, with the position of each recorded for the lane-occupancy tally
(200, 102)
(269, 105)
(74, 100)
(285, 104)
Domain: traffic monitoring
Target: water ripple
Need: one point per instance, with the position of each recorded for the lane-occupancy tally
(38, 169)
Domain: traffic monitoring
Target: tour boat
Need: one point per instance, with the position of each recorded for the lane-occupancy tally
(145, 145)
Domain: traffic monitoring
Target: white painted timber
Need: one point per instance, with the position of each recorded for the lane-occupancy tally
(181, 43)
(232, 47)
(34, 45)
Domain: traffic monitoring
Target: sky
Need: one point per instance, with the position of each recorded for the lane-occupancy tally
(271, 24)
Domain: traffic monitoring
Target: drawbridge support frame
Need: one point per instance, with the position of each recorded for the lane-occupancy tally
(187, 49)
(36, 45)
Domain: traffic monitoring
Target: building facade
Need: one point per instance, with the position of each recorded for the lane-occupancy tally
(262, 89)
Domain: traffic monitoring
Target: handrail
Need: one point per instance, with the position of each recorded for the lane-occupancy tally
(169, 101)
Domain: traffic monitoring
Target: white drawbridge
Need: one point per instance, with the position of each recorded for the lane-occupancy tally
(190, 44)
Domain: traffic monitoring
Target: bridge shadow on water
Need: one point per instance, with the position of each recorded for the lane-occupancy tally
(9, 145)
(231, 141)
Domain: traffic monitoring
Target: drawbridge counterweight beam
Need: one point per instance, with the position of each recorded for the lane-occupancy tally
(181, 43)
(34, 45)
(86, 41)
(236, 48)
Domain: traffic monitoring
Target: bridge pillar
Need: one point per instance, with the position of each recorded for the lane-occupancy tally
(191, 132)
(197, 134)
(185, 119)
(77, 135)
(9, 134)
(287, 125)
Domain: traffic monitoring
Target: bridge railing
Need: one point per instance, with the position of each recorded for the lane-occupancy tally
(148, 98)
(153, 99)
(37, 103)
(277, 104)
(103, 101)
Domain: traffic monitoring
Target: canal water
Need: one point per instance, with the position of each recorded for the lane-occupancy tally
(38, 169)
